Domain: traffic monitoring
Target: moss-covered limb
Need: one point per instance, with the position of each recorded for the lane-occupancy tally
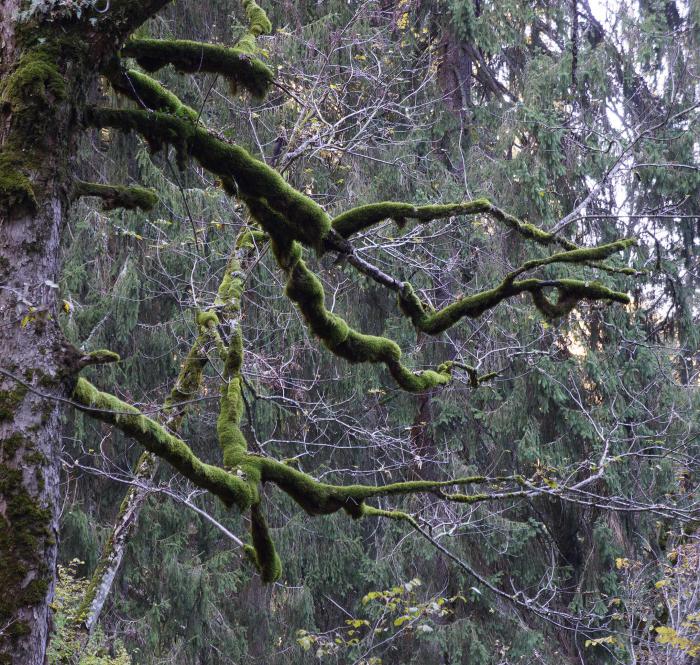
(250, 238)
(189, 379)
(263, 552)
(363, 217)
(230, 488)
(232, 441)
(146, 91)
(318, 498)
(99, 357)
(185, 388)
(528, 230)
(584, 255)
(481, 497)
(371, 511)
(304, 288)
(571, 292)
(118, 196)
(301, 218)
(258, 24)
(238, 65)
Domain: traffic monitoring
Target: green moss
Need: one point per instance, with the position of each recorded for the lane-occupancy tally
(231, 287)
(118, 196)
(189, 380)
(302, 219)
(251, 238)
(147, 92)
(582, 255)
(318, 498)
(235, 64)
(35, 82)
(107, 408)
(207, 319)
(263, 553)
(10, 401)
(15, 187)
(363, 217)
(103, 357)
(258, 24)
(571, 292)
(306, 291)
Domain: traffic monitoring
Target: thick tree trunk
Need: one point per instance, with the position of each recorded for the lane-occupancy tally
(40, 79)
(47, 63)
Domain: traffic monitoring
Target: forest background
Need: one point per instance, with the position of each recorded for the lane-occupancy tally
(580, 118)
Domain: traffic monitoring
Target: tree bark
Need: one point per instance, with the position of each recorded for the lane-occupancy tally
(40, 79)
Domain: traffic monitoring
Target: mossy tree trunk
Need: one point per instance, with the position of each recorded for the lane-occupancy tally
(37, 124)
(48, 62)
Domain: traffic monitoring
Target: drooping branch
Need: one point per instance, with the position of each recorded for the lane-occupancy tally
(316, 497)
(238, 65)
(118, 196)
(289, 217)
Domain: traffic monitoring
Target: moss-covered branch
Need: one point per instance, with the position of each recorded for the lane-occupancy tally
(289, 216)
(148, 93)
(229, 487)
(304, 288)
(258, 24)
(364, 217)
(238, 66)
(185, 388)
(118, 196)
(571, 292)
(317, 498)
(297, 216)
(262, 552)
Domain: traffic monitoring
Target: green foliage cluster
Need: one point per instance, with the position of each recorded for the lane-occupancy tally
(70, 590)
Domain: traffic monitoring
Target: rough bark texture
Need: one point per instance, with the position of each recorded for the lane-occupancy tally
(47, 63)
(36, 130)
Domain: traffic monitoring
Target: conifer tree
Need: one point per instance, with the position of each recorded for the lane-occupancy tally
(53, 54)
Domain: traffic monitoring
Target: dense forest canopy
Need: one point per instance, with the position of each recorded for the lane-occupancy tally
(349, 331)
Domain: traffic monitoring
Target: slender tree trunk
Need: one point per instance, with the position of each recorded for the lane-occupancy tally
(113, 552)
